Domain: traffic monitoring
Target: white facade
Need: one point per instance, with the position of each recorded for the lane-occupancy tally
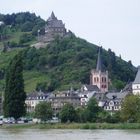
(136, 83)
(136, 89)
(31, 104)
(113, 106)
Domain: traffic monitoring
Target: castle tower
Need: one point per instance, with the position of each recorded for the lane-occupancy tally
(99, 77)
(54, 27)
(136, 83)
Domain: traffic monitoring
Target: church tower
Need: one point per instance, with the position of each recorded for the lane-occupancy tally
(99, 77)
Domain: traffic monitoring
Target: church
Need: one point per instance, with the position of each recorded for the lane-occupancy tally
(99, 76)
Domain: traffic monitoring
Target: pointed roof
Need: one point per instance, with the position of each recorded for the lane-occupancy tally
(52, 17)
(99, 61)
(137, 79)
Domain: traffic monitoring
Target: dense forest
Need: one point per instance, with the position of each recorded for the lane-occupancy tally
(63, 63)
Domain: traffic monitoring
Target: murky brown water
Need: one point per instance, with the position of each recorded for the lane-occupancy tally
(35, 134)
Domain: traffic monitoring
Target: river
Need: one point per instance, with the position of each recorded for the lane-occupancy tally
(37, 134)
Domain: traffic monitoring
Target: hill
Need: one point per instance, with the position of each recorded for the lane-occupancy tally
(19, 30)
(63, 63)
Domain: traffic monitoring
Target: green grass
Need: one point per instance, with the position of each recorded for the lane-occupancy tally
(6, 57)
(15, 37)
(75, 126)
(32, 78)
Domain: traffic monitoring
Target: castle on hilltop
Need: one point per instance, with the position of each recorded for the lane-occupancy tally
(53, 28)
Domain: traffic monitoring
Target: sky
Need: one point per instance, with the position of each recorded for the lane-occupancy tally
(114, 24)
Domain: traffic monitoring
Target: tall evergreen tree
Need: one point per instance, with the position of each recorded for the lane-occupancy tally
(14, 97)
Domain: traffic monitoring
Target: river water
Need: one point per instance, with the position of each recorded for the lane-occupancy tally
(35, 134)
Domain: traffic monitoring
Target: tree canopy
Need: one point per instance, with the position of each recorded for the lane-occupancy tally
(43, 111)
(131, 109)
(14, 96)
(68, 113)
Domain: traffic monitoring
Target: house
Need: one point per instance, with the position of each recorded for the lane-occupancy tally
(99, 76)
(136, 83)
(34, 98)
(114, 101)
(58, 100)
(87, 91)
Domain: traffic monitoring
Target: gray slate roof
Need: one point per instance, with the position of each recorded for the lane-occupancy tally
(99, 61)
(35, 94)
(137, 79)
(54, 22)
(92, 88)
(119, 95)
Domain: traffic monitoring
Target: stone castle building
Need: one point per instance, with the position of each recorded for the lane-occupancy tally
(53, 28)
(99, 77)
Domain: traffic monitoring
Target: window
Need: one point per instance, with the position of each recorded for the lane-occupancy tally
(95, 80)
(102, 79)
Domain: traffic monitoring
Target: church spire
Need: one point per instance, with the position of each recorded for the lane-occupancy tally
(99, 61)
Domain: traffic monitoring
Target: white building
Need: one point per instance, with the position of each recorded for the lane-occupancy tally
(136, 84)
(33, 99)
(87, 91)
(114, 101)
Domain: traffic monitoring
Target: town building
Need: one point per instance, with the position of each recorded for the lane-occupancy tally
(34, 98)
(99, 76)
(136, 83)
(58, 100)
(114, 101)
(87, 92)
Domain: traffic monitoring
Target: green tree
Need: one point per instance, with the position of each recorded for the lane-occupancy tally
(104, 116)
(131, 109)
(93, 109)
(83, 115)
(68, 113)
(43, 111)
(14, 97)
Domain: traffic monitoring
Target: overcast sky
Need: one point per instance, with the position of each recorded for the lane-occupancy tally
(114, 24)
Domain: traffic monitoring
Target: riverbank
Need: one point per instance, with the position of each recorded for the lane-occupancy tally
(73, 126)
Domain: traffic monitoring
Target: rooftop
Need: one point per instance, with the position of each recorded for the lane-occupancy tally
(99, 61)
(137, 79)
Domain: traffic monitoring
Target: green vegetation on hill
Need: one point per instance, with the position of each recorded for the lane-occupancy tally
(63, 63)
(68, 62)
(19, 30)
